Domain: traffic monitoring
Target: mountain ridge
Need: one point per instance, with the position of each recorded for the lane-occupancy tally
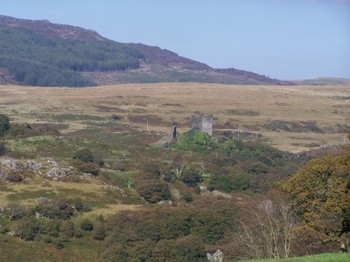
(87, 65)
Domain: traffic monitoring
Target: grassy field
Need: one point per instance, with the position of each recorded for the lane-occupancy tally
(323, 113)
(314, 258)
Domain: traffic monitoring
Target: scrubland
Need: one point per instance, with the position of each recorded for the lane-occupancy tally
(139, 197)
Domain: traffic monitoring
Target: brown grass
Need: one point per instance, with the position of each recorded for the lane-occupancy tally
(289, 103)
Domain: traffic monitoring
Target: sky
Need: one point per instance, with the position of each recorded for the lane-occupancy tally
(284, 39)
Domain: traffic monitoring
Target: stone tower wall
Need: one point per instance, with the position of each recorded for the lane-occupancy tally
(196, 122)
(207, 124)
(202, 123)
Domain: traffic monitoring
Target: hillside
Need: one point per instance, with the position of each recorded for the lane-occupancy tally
(41, 53)
(93, 176)
(324, 81)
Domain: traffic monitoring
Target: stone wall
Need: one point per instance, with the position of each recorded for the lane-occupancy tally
(203, 123)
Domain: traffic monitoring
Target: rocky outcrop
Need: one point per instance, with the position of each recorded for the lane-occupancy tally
(31, 164)
(47, 168)
(10, 163)
(56, 173)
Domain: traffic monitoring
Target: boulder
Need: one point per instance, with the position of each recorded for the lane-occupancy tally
(56, 173)
(31, 164)
(8, 163)
(218, 256)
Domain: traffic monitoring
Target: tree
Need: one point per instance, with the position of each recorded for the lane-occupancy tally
(320, 192)
(267, 233)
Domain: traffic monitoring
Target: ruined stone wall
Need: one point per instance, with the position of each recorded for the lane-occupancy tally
(207, 124)
(203, 123)
(196, 122)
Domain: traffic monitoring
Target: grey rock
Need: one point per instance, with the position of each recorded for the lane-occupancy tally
(56, 173)
(218, 256)
(31, 164)
(8, 163)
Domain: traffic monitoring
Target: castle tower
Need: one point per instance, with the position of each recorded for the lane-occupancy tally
(203, 123)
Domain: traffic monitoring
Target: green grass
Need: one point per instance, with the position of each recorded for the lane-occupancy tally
(13, 249)
(327, 257)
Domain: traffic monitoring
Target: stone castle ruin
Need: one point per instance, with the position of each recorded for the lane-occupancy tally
(203, 123)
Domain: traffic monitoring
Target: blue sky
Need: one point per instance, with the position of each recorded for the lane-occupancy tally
(285, 39)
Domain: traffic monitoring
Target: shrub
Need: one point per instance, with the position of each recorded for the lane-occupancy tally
(85, 155)
(14, 177)
(185, 249)
(195, 141)
(87, 167)
(28, 228)
(15, 211)
(56, 209)
(67, 228)
(4, 229)
(187, 197)
(80, 206)
(99, 232)
(232, 180)
(191, 177)
(86, 225)
(2, 149)
(154, 191)
(4, 124)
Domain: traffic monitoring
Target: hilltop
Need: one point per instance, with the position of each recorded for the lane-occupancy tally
(41, 53)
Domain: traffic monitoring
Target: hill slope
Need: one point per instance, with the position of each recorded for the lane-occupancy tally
(46, 54)
(324, 81)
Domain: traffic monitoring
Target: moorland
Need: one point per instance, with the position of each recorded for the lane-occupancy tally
(89, 174)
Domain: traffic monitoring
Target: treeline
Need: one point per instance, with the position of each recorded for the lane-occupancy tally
(37, 60)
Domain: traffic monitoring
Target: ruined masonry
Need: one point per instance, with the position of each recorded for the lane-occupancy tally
(203, 123)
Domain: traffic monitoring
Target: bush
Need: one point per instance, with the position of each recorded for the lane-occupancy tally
(56, 209)
(14, 177)
(229, 180)
(28, 228)
(187, 197)
(2, 149)
(99, 231)
(87, 167)
(185, 249)
(4, 124)
(85, 155)
(191, 177)
(154, 191)
(195, 141)
(67, 229)
(80, 206)
(15, 211)
(86, 225)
